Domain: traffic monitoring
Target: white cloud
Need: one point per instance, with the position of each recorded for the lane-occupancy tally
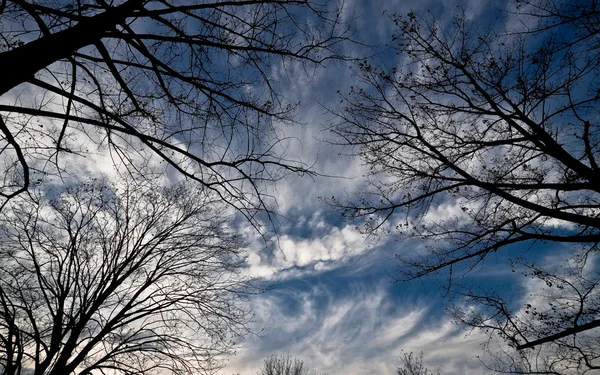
(315, 254)
(362, 332)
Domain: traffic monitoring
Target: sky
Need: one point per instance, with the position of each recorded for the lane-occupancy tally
(332, 299)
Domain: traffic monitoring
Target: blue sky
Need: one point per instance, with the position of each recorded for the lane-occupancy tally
(332, 299)
(330, 296)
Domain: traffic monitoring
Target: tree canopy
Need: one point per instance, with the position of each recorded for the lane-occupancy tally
(485, 139)
(119, 277)
(189, 88)
(178, 105)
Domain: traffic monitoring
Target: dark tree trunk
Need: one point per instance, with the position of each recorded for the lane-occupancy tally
(20, 64)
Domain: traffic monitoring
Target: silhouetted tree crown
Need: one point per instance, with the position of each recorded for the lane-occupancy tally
(190, 88)
(413, 365)
(484, 137)
(286, 365)
(121, 277)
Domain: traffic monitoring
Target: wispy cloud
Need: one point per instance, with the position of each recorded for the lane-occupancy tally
(360, 330)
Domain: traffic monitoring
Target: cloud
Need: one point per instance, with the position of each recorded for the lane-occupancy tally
(311, 245)
(361, 330)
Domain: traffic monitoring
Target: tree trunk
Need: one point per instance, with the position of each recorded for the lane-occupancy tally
(20, 64)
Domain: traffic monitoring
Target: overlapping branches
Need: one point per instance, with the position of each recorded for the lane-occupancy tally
(480, 121)
(129, 278)
(555, 330)
(484, 137)
(190, 87)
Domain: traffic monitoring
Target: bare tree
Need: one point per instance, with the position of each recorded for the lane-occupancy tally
(124, 279)
(193, 86)
(553, 331)
(412, 365)
(485, 137)
(285, 365)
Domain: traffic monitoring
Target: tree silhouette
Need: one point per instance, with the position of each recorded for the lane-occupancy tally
(554, 329)
(122, 278)
(285, 365)
(190, 85)
(412, 365)
(483, 138)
